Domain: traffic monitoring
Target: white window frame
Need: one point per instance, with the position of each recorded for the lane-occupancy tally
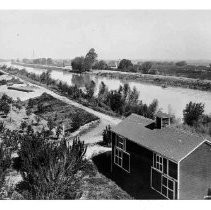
(158, 164)
(158, 161)
(167, 186)
(120, 158)
(122, 143)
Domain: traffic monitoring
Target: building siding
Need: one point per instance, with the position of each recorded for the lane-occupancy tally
(138, 180)
(195, 173)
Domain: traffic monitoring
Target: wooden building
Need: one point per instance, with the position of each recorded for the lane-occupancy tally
(171, 161)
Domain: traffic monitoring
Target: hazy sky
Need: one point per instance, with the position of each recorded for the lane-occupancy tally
(137, 34)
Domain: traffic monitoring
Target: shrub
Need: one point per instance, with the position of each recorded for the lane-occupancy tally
(192, 113)
(48, 170)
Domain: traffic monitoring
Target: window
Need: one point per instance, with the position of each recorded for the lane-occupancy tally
(168, 187)
(165, 166)
(121, 142)
(118, 157)
(122, 159)
(158, 162)
(166, 182)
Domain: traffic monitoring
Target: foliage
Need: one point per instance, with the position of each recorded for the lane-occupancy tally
(114, 99)
(5, 102)
(5, 163)
(90, 89)
(100, 65)
(145, 67)
(49, 171)
(103, 92)
(107, 136)
(90, 59)
(78, 64)
(181, 63)
(192, 113)
(51, 124)
(7, 99)
(122, 101)
(76, 121)
(125, 64)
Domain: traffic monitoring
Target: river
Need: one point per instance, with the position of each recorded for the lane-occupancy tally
(170, 99)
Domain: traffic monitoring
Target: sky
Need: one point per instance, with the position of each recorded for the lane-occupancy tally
(114, 34)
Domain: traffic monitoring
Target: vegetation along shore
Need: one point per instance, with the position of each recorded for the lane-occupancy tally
(160, 80)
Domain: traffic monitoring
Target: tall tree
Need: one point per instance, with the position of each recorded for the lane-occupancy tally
(78, 64)
(90, 59)
(125, 65)
(145, 67)
(193, 112)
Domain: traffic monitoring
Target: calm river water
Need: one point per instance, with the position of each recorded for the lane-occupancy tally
(171, 99)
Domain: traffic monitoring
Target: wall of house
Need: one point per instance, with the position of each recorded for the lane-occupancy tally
(195, 173)
(138, 180)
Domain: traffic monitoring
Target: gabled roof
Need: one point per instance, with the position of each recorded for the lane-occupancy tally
(171, 142)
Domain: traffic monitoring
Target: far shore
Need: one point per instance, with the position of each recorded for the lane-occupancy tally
(160, 80)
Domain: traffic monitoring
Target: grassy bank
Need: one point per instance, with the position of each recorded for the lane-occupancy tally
(160, 80)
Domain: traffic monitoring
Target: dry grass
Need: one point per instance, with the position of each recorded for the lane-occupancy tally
(95, 186)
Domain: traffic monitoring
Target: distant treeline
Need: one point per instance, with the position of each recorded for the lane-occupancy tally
(86, 63)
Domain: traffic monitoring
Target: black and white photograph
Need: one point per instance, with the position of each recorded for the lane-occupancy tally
(105, 104)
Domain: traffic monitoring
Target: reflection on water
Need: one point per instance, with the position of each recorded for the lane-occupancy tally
(171, 99)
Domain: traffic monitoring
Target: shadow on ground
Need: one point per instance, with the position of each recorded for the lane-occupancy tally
(137, 185)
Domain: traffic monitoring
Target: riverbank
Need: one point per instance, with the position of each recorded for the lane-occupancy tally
(53, 87)
(160, 80)
(47, 67)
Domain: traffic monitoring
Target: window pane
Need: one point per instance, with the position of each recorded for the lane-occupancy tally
(164, 190)
(170, 184)
(172, 169)
(126, 161)
(161, 160)
(164, 165)
(116, 159)
(170, 194)
(157, 158)
(165, 181)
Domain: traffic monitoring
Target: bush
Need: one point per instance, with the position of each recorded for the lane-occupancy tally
(4, 107)
(192, 113)
(48, 169)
